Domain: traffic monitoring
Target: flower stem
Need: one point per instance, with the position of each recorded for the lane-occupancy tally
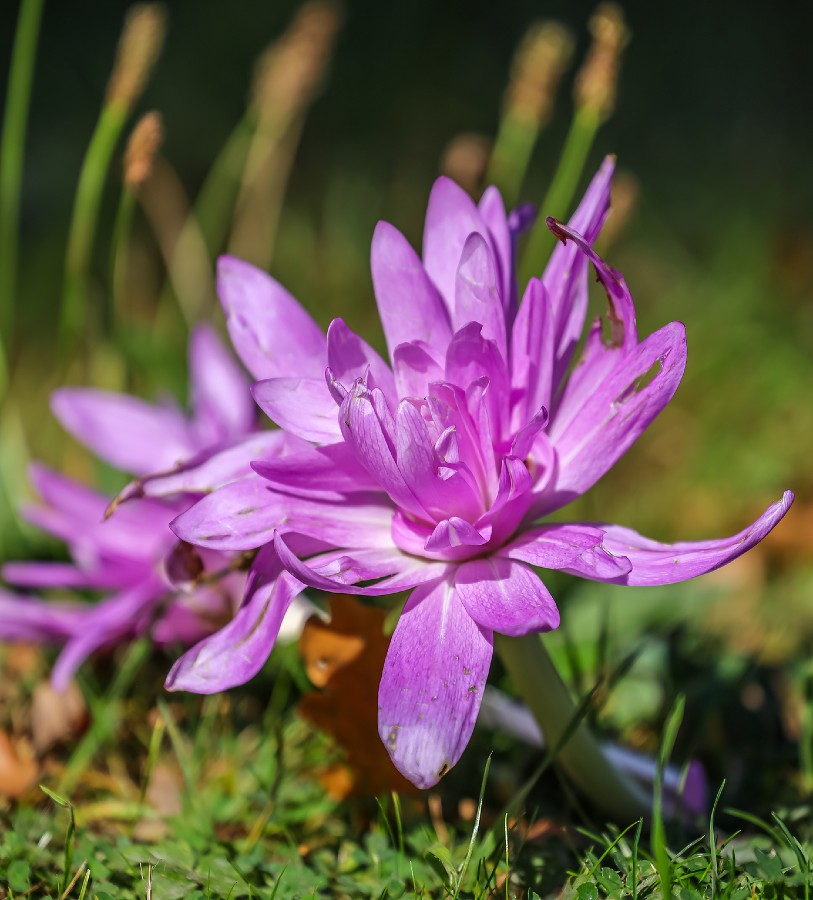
(11, 160)
(73, 320)
(535, 677)
(558, 200)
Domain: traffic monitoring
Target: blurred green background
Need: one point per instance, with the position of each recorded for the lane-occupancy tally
(712, 125)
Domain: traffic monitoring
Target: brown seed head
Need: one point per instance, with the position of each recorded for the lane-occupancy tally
(597, 80)
(465, 159)
(538, 66)
(142, 148)
(139, 47)
(290, 71)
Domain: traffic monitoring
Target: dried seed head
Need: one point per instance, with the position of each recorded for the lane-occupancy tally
(465, 159)
(139, 46)
(290, 71)
(597, 80)
(142, 148)
(537, 68)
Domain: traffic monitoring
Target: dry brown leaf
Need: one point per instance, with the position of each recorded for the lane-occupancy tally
(344, 658)
(18, 768)
(56, 716)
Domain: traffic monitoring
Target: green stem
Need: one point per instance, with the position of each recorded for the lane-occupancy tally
(119, 257)
(558, 200)
(88, 199)
(12, 150)
(516, 139)
(539, 684)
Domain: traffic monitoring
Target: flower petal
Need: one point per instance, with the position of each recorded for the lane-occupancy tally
(342, 570)
(432, 683)
(656, 563)
(478, 295)
(271, 332)
(126, 613)
(329, 472)
(349, 358)
(577, 549)
(505, 596)
(302, 406)
(492, 209)
(565, 276)
(451, 217)
(532, 355)
(46, 575)
(409, 304)
(616, 414)
(218, 469)
(25, 618)
(124, 431)
(415, 368)
(239, 516)
(373, 443)
(221, 399)
(237, 652)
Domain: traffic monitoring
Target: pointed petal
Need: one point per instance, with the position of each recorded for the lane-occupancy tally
(230, 464)
(340, 571)
(240, 516)
(124, 614)
(451, 217)
(471, 357)
(373, 443)
(237, 652)
(302, 406)
(454, 534)
(410, 306)
(46, 575)
(565, 276)
(25, 618)
(124, 431)
(532, 350)
(419, 464)
(221, 399)
(574, 548)
(432, 683)
(349, 358)
(492, 209)
(323, 473)
(656, 563)
(415, 368)
(271, 332)
(616, 414)
(505, 596)
(478, 295)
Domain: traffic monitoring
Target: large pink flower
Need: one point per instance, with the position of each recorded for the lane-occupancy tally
(435, 472)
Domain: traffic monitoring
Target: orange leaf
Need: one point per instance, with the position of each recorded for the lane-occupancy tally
(344, 659)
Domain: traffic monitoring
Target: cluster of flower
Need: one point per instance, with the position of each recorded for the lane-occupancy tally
(434, 472)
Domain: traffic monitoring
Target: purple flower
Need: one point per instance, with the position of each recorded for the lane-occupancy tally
(149, 580)
(437, 471)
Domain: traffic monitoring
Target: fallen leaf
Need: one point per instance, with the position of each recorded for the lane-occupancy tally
(18, 768)
(344, 658)
(56, 716)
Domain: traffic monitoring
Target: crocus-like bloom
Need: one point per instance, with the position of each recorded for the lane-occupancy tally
(436, 472)
(148, 579)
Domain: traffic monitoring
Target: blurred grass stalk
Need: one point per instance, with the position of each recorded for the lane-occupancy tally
(537, 68)
(139, 47)
(288, 78)
(12, 148)
(594, 96)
